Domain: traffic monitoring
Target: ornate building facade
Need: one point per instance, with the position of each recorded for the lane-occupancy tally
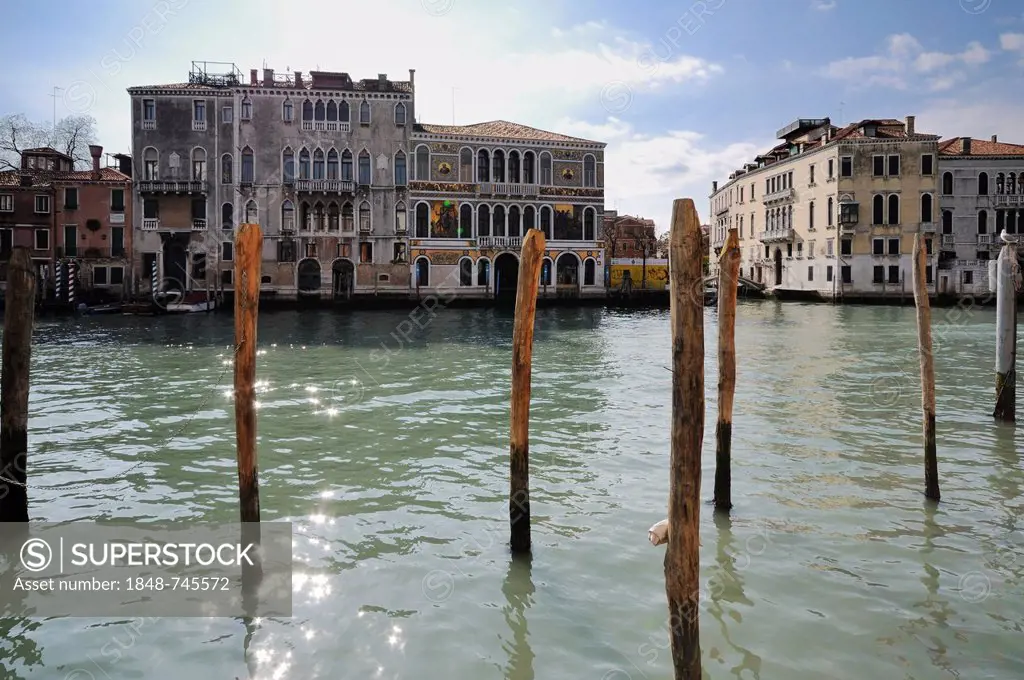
(476, 189)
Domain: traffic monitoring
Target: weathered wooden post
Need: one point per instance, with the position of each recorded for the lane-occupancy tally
(248, 255)
(682, 557)
(522, 357)
(728, 280)
(924, 347)
(19, 310)
(1006, 333)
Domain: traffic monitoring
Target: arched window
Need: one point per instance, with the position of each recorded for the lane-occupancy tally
(319, 111)
(318, 164)
(333, 221)
(589, 270)
(422, 220)
(151, 163)
(947, 184)
(227, 217)
(926, 208)
(1011, 183)
(422, 163)
(529, 219)
(306, 216)
(364, 113)
(287, 216)
(483, 166)
(400, 224)
(364, 168)
(227, 169)
(589, 232)
(347, 217)
(545, 221)
(332, 164)
(498, 221)
(830, 215)
(304, 164)
(466, 165)
(545, 267)
(365, 225)
(287, 111)
(466, 220)
(499, 165)
(246, 109)
(483, 272)
(422, 271)
(982, 222)
(288, 165)
(894, 209)
(878, 209)
(401, 178)
(947, 222)
(343, 114)
(545, 168)
(307, 110)
(251, 213)
(1000, 183)
(514, 167)
(515, 227)
(589, 171)
(983, 184)
(529, 176)
(483, 220)
(399, 114)
(346, 166)
(465, 272)
(332, 111)
(248, 166)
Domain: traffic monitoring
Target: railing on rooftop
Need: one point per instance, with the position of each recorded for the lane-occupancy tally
(215, 73)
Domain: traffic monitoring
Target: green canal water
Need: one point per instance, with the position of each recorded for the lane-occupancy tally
(389, 454)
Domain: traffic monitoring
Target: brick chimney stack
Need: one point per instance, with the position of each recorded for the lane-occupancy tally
(298, 79)
(254, 76)
(95, 150)
(967, 146)
(412, 78)
(910, 124)
(268, 77)
(995, 138)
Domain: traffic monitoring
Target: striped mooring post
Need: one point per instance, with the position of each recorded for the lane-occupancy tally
(72, 282)
(155, 281)
(58, 280)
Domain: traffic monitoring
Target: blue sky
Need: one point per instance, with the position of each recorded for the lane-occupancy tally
(683, 92)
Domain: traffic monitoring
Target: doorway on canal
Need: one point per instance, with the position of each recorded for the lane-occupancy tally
(176, 260)
(506, 277)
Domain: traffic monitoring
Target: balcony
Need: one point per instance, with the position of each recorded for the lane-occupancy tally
(199, 126)
(326, 126)
(149, 124)
(773, 235)
(198, 224)
(324, 186)
(500, 242)
(848, 227)
(150, 223)
(781, 196)
(984, 239)
(1008, 199)
(947, 240)
(928, 227)
(152, 186)
(971, 264)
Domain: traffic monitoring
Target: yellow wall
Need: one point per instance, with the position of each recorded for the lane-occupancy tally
(657, 275)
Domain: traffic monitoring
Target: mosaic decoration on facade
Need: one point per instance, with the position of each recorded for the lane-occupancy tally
(567, 192)
(444, 147)
(443, 187)
(567, 155)
(444, 256)
(444, 220)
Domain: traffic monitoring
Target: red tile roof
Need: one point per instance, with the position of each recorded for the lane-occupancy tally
(980, 147)
(307, 84)
(500, 128)
(41, 177)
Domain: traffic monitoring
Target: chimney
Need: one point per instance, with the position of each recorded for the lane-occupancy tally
(253, 77)
(828, 134)
(26, 180)
(714, 186)
(412, 78)
(910, 125)
(268, 77)
(967, 146)
(95, 151)
(995, 138)
(298, 79)
(382, 81)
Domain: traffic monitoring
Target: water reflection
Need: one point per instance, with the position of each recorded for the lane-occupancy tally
(518, 589)
(18, 647)
(725, 587)
(936, 609)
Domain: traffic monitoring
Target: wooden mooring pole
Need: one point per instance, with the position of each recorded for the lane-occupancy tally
(728, 280)
(1006, 334)
(522, 357)
(19, 310)
(248, 256)
(682, 558)
(924, 347)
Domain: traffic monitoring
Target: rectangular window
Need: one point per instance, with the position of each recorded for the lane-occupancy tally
(149, 109)
(878, 246)
(99, 276)
(846, 247)
(968, 277)
(364, 169)
(812, 176)
(789, 250)
(199, 110)
(928, 246)
(6, 202)
(117, 241)
(810, 273)
(894, 165)
(831, 168)
(830, 248)
(42, 204)
(810, 216)
(847, 273)
(42, 240)
(117, 200)
(878, 166)
(116, 276)
(894, 246)
(928, 274)
(846, 166)
(365, 252)
(828, 273)
(810, 249)
(6, 240)
(150, 170)
(286, 250)
(227, 251)
(226, 277)
(70, 240)
(70, 198)
(894, 273)
(227, 114)
(150, 209)
(927, 164)
(800, 249)
(879, 274)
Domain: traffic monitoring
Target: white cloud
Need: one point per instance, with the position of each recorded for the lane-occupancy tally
(980, 115)
(1013, 42)
(644, 173)
(824, 5)
(904, 63)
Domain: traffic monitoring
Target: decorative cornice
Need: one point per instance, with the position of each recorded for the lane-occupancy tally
(504, 141)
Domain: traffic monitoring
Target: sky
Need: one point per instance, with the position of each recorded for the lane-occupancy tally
(682, 92)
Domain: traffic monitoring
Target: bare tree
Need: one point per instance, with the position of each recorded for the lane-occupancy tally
(661, 246)
(72, 136)
(610, 235)
(648, 246)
